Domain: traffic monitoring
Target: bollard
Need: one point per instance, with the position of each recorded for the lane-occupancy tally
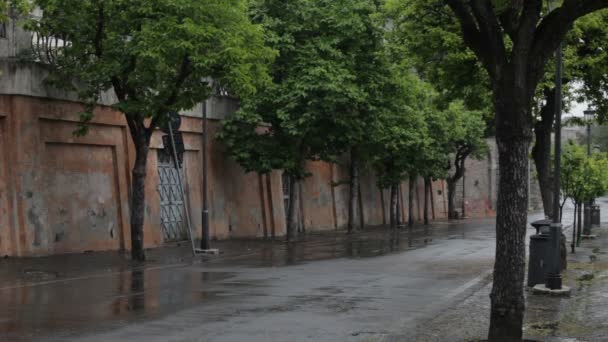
(595, 215)
(587, 220)
(553, 279)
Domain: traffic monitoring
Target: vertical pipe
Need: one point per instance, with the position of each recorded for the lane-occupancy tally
(432, 200)
(464, 197)
(205, 244)
(529, 183)
(270, 206)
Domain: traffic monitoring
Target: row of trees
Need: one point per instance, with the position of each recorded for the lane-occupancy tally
(583, 179)
(343, 85)
(319, 78)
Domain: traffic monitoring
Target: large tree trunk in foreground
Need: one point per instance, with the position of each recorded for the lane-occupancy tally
(513, 138)
(138, 196)
(507, 291)
(541, 152)
(291, 211)
(394, 211)
(353, 200)
(410, 201)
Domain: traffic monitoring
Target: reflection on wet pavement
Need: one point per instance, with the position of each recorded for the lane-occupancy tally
(42, 300)
(66, 306)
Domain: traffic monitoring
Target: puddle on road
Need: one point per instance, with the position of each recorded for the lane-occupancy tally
(63, 307)
(367, 244)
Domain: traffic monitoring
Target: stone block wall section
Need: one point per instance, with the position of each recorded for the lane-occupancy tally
(65, 194)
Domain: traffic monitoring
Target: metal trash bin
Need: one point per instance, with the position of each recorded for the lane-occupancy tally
(595, 215)
(541, 257)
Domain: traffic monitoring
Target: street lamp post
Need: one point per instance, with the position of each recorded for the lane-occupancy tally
(554, 279)
(589, 117)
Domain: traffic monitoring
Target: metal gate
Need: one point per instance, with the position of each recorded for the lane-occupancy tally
(172, 216)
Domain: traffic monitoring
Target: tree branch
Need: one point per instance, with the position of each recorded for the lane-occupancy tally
(490, 28)
(530, 16)
(185, 70)
(553, 28)
(98, 42)
(481, 32)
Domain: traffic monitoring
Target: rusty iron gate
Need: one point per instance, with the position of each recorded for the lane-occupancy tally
(172, 211)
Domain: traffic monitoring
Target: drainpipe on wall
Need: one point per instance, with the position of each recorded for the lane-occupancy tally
(205, 241)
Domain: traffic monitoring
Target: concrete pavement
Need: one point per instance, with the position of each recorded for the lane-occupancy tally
(328, 288)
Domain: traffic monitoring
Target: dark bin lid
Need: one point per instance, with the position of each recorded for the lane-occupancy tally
(539, 237)
(540, 223)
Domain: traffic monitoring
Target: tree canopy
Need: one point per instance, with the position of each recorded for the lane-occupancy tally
(326, 84)
(583, 178)
(155, 57)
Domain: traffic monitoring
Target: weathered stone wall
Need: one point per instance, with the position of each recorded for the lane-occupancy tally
(65, 194)
(481, 185)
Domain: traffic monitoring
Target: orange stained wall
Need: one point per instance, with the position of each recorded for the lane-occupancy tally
(65, 194)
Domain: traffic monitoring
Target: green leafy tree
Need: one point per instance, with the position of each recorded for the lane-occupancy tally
(435, 155)
(430, 36)
(18, 7)
(427, 36)
(589, 40)
(155, 57)
(514, 40)
(327, 82)
(582, 179)
(398, 135)
(464, 136)
(584, 60)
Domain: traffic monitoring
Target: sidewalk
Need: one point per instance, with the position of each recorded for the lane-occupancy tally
(581, 317)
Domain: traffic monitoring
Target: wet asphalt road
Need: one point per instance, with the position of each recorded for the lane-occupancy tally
(376, 286)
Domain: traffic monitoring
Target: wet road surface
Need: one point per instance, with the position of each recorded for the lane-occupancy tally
(331, 287)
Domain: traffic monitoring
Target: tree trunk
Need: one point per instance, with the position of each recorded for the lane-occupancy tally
(393, 211)
(410, 201)
(353, 201)
(427, 186)
(541, 152)
(580, 224)
(563, 253)
(573, 244)
(507, 296)
(291, 211)
(451, 198)
(138, 198)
